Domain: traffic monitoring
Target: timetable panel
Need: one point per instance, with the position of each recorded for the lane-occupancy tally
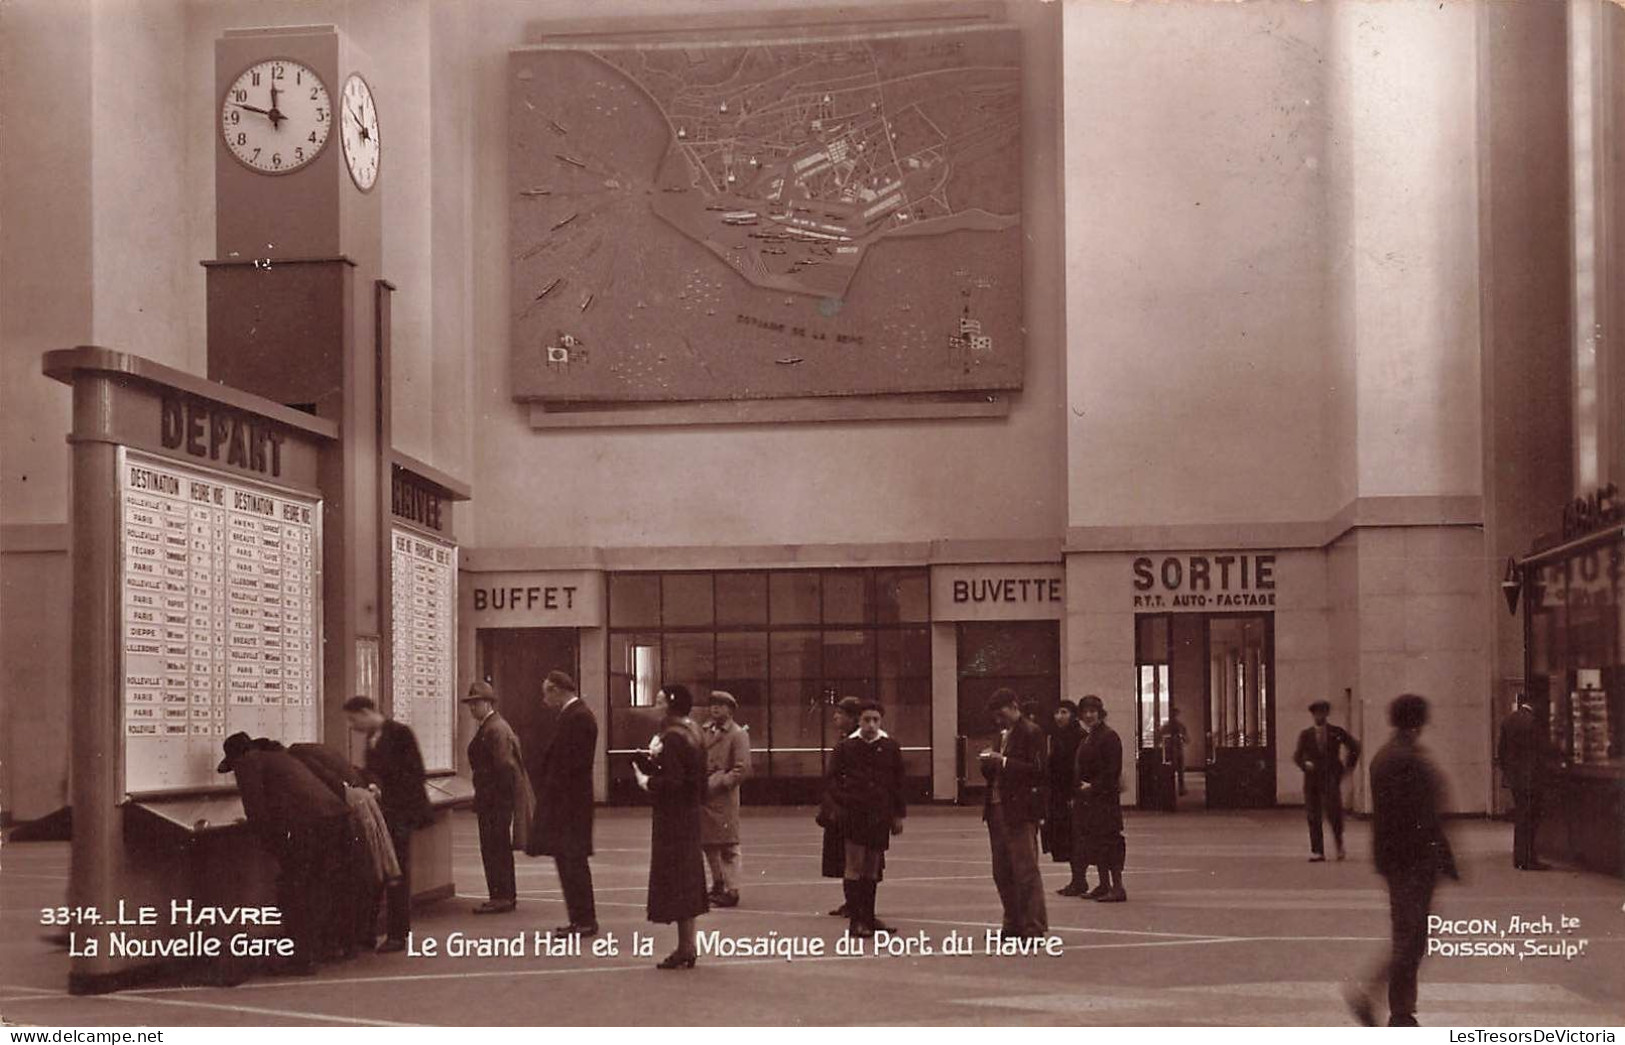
(424, 597)
(221, 592)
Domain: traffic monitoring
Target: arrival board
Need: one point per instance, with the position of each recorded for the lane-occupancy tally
(222, 610)
(424, 597)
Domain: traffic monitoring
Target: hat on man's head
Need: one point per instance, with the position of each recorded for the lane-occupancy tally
(719, 696)
(480, 691)
(1069, 704)
(849, 705)
(1320, 705)
(1091, 701)
(237, 745)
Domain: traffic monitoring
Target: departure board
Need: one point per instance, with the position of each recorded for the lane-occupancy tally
(424, 597)
(221, 596)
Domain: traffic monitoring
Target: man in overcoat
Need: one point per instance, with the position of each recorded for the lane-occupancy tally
(1522, 750)
(502, 797)
(866, 788)
(304, 825)
(1012, 809)
(394, 765)
(727, 764)
(1411, 851)
(1324, 751)
(563, 828)
(833, 865)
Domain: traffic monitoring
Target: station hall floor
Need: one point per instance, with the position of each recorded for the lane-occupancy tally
(1227, 923)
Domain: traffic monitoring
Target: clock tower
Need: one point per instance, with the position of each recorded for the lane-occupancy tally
(297, 309)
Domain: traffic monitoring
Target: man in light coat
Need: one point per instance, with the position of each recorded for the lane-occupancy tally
(727, 764)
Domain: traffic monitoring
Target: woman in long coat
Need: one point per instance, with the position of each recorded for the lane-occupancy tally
(1063, 751)
(674, 775)
(1097, 814)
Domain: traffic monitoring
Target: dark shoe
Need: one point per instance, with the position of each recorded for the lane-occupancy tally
(1317, 858)
(390, 946)
(861, 930)
(678, 959)
(881, 927)
(1098, 891)
(727, 899)
(839, 912)
(1342, 854)
(1114, 895)
(1402, 1020)
(573, 929)
(1537, 866)
(496, 907)
(1360, 1005)
(1071, 889)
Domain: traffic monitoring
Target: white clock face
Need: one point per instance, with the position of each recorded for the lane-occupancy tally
(358, 132)
(276, 116)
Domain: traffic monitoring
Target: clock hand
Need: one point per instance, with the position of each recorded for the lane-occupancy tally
(252, 108)
(361, 124)
(275, 114)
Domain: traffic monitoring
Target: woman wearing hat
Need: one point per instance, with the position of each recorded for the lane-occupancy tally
(1063, 751)
(673, 773)
(1097, 814)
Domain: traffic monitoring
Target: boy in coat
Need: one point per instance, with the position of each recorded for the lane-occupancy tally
(501, 796)
(866, 789)
(563, 826)
(727, 763)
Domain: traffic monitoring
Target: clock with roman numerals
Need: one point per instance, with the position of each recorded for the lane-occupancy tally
(276, 116)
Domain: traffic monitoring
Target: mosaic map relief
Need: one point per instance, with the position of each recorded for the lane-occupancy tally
(783, 218)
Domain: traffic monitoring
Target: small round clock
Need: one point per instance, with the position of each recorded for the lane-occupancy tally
(358, 132)
(276, 116)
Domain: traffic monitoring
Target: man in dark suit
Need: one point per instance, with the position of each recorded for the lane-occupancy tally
(500, 790)
(303, 824)
(355, 890)
(1324, 751)
(394, 765)
(563, 827)
(1522, 752)
(1012, 808)
(1410, 850)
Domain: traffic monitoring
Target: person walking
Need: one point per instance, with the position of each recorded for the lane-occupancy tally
(1522, 751)
(1410, 851)
(502, 797)
(1173, 736)
(394, 765)
(1097, 812)
(563, 824)
(1324, 752)
(844, 717)
(866, 786)
(1012, 808)
(727, 763)
(673, 772)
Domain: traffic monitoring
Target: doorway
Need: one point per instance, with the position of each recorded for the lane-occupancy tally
(514, 661)
(1022, 655)
(1214, 674)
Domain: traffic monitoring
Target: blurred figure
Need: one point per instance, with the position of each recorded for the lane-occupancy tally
(1063, 752)
(866, 782)
(394, 765)
(1522, 751)
(502, 797)
(1097, 812)
(1173, 737)
(1012, 809)
(360, 868)
(845, 719)
(304, 825)
(563, 825)
(727, 764)
(1410, 851)
(673, 772)
(1324, 751)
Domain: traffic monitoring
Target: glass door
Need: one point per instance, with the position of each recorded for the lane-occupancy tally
(1241, 711)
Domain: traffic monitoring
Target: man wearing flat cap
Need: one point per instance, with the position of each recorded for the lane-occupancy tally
(302, 823)
(1324, 752)
(727, 764)
(502, 797)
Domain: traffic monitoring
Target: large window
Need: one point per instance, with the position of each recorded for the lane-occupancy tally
(1576, 651)
(787, 644)
(1022, 655)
